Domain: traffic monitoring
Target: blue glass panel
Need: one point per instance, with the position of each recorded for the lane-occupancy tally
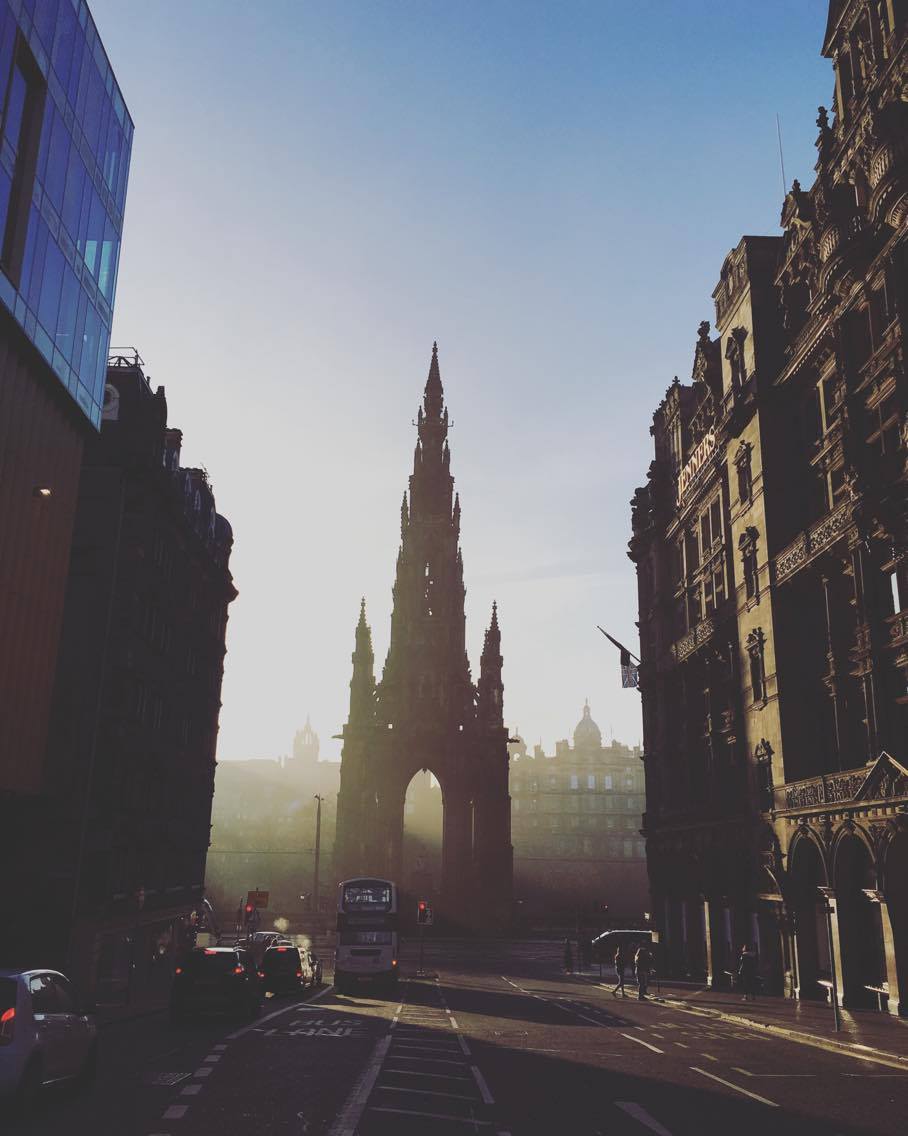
(95, 235)
(47, 128)
(57, 162)
(90, 342)
(101, 368)
(79, 334)
(5, 186)
(72, 196)
(69, 309)
(75, 70)
(34, 285)
(49, 299)
(45, 19)
(15, 105)
(29, 256)
(106, 269)
(64, 42)
(91, 121)
(7, 39)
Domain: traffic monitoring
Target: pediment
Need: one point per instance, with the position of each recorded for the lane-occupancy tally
(886, 778)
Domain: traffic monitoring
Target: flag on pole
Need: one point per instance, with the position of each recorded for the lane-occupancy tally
(630, 674)
(630, 670)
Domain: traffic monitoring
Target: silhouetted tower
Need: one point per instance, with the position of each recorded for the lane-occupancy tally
(425, 713)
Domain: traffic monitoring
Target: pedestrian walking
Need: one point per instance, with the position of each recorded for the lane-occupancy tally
(747, 972)
(643, 967)
(620, 966)
(568, 957)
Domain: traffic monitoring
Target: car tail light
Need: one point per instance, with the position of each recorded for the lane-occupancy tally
(261, 974)
(299, 974)
(281, 950)
(210, 951)
(178, 970)
(7, 1025)
(237, 970)
(394, 962)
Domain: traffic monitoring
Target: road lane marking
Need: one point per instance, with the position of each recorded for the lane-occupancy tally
(191, 1091)
(417, 1073)
(276, 1014)
(427, 1060)
(424, 1092)
(176, 1112)
(349, 1116)
(206, 1071)
(463, 1044)
(482, 1086)
(640, 1041)
(462, 1120)
(682, 1045)
(639, 1113)
(738, 1069)
(737, 1088)
(454, 1021)
(212, 1058)
(217, 1048)
(709, 1056)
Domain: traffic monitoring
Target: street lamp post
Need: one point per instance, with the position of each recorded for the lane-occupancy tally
(828, 895)
(318, 844)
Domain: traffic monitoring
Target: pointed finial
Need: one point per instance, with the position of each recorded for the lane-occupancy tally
(434, 394)
(494, 622)
(362, 610)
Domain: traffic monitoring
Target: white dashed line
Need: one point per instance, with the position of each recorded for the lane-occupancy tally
(463, 1044)
(482, 1086)
(737, 1088)
(639, 1113)
(454, 1022)
(191, 1091)
(205, 1071)
(640, 1041)
(176, 1112)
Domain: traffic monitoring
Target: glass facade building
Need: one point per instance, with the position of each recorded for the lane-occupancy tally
(65, 143)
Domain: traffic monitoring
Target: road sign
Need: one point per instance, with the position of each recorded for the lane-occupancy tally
(259, 899)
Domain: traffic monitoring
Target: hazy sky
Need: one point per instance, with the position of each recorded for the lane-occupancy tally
(319, 190)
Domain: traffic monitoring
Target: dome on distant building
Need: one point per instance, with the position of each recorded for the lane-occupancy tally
(587, 734)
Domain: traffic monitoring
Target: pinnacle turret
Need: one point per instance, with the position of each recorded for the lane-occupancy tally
(434, 397)
(362, 684)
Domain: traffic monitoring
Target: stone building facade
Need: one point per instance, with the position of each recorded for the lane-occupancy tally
(575, 824)
(772, 560)
(134, 722)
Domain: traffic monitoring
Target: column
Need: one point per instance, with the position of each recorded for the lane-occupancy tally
(892, 973)
(708, 940)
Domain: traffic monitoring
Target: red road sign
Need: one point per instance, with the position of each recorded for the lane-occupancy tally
(258, 899)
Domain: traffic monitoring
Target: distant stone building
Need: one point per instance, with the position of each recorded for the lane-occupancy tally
(134, 724)
(263, 824)
(575, 823)
(771, 545)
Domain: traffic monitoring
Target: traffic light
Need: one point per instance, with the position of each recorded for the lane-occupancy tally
(422, 913)
(250, 911)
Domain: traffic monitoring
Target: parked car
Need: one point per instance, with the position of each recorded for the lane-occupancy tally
(605, 945)
(213, 980)
(44, 1035)
(286, 967)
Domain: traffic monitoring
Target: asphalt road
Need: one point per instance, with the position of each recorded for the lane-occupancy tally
(493, 1040)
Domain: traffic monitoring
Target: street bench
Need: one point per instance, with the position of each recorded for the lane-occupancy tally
(881, 991)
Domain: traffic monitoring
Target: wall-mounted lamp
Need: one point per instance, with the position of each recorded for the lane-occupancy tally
(42, 491)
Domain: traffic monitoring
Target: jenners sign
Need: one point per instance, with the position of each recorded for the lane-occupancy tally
(698, 459)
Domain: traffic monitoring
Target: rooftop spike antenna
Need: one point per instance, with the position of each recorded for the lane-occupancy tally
(781, 155)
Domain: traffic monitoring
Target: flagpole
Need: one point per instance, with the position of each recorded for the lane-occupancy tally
(615, 643)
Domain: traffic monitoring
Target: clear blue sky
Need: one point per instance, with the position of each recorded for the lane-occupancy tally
(319, 190)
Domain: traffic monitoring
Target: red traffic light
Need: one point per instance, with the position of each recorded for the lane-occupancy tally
(422, 905)
(250, 907)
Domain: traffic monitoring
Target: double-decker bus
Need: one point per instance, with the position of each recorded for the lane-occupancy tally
(367, 939)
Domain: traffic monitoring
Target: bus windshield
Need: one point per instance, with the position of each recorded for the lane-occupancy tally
(367, 895)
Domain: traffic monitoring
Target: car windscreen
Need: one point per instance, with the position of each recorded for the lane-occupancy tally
(7, 994)
(203, 964)
(281, 958)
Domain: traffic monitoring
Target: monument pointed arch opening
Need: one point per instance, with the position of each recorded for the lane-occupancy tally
(426, 703)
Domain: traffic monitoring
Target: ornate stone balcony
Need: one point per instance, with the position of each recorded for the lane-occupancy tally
(883, 779)
(812, 542)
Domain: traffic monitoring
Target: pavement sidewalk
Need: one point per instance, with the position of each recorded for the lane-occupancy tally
(863, 1032)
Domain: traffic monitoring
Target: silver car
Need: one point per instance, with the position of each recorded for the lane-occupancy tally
(44, 1036)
